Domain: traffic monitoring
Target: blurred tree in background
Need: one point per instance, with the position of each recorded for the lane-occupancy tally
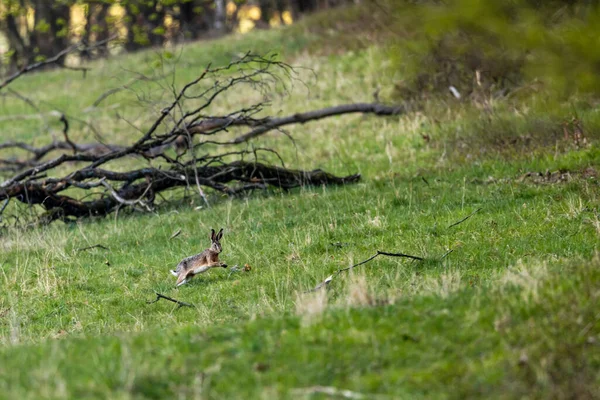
(494, 46)
(31, 30)
(491, 46)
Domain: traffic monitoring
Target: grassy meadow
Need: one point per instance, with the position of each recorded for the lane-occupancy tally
(511, 312)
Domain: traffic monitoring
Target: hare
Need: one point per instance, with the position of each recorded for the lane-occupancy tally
(209, 258)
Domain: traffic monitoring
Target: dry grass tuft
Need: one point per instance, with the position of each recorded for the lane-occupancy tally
(311, 306)
(447, 283)
(359, 293)
(528, 278)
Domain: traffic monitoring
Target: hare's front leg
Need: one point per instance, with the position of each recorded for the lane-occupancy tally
(218, 264)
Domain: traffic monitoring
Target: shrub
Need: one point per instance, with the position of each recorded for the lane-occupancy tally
(495, 46)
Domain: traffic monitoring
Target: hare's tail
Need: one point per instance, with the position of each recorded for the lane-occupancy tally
(173, 272)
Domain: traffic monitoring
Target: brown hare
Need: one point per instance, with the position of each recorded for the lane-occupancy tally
(209, 258)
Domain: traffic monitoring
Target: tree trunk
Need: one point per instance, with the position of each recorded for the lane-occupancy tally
(144, 24)
(21, 52)
(188, 19)
(89, 10)
(131, 24)
(300, 7)
(220, 15)
(267, 9)
(102, 30)
(51, 32)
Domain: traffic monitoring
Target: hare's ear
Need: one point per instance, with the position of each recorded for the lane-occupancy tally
(220, 234)
(212, 235)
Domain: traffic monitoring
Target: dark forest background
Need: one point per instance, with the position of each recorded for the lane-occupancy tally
(32, 30)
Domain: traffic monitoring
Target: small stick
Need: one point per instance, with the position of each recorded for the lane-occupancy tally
(379, 253)
(173, 236)
(358, 264)
(121, 200)
(65, 121)
(382, 253)
(162, 296)
(4, 205)
(465, 218)
(446, 254)
(324, 283)
(93, 247)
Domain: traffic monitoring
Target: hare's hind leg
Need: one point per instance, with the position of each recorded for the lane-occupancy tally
(183, 282)
(181, 279)
(201, 269)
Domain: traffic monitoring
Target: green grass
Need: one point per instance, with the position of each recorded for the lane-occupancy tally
(510, 313)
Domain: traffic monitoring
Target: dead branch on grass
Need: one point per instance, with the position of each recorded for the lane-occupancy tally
(328, 280)
(268, 124)
(178, 302)
(91, 189)
(96, 246)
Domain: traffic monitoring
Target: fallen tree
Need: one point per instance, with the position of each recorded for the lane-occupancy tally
(89, 188)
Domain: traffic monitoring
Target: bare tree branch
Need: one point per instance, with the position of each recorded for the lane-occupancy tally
(212, 125)
(89, 188)
(268, 124)
(53, 60)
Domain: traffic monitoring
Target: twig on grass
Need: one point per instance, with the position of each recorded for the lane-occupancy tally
(235, 268)
(178, 302)
(446, 254)
(465, 218)
(382, 253)
(174, 235)
(379, 253)
(96, 246)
